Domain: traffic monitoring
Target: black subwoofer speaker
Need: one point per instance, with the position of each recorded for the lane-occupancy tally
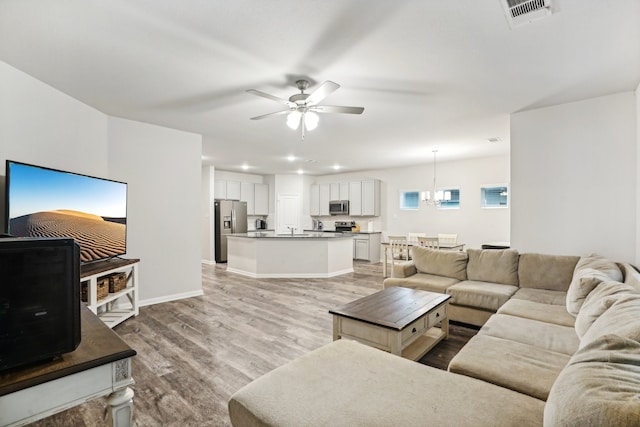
(39, 299)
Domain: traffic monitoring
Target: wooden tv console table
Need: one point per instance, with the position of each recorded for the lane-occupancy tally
(115, 308)
(100, 366)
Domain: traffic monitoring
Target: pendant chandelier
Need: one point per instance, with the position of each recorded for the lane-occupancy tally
(438, 196)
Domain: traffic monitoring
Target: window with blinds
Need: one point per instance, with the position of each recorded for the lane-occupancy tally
(409, 200)
(494, 196)
(451, 198)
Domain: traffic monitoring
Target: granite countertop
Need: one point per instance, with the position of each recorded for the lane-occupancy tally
(348, 232)
(305, 235)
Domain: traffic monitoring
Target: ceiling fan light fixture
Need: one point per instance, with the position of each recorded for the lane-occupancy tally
(293, 119)
(311, 120)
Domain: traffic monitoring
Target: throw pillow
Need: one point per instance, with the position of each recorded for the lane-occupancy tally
(621, 318)
(583, 282)
(599, 386)
(600, 263)
(597, 302)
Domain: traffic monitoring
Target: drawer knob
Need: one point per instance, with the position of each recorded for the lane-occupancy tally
(437, 315)
(413, 330)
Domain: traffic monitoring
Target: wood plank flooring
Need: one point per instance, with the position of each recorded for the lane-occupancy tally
(193, 354)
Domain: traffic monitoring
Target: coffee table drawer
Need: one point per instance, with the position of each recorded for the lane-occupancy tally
(436, 316)
(414, 330)
(374, 335)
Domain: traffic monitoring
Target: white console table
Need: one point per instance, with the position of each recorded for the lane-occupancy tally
(118, 306)
(100, 366)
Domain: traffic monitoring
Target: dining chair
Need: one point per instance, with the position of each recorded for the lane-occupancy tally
(451, 239)
(413, 237)
(399, 248)
(429, 242)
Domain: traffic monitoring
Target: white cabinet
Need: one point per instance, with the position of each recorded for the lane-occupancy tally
(112, 307)
(325, 194)
(371, 198)
(262, 199)
(248, 194)
(344, 191)
(314, 200)
(227, 189)
(334, 191)
(355, 198)
(220, 189)
(233, 190)
(366, 246)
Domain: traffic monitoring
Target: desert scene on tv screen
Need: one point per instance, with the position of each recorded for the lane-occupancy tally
(98, 237)
(50, 203)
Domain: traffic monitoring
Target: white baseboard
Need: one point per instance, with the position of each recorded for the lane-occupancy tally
(289, 275)
(168, 298)
(208, 262)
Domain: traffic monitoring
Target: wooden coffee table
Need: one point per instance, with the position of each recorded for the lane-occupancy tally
(399, 320)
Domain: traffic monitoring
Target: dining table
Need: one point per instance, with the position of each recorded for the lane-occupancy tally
(442, 246)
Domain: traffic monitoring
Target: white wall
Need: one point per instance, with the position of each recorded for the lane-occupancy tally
(43, 126)
(574, 178)
(163, 227)
(473, 224)
(206, 202)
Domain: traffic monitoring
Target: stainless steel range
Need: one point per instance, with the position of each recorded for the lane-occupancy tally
(342, 226)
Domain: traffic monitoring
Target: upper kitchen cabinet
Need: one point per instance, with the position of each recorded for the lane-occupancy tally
(262, 199)
(226, 189)
(325, 196)
(364, 198)
(334, 190)
(257, 198)
(314, 200)
(344, 191)
(248, 194)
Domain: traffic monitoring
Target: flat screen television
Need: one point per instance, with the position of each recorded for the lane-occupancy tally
(45, 202)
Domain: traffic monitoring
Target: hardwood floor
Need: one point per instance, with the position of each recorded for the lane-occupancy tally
(194, 353)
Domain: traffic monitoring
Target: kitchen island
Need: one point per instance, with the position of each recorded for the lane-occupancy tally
(311, 254)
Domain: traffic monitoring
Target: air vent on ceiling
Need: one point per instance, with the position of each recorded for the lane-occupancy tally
(520, 12)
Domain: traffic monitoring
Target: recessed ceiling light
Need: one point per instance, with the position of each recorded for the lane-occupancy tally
(291, 158)
(300, 171)
(245, 167)
(336, 167)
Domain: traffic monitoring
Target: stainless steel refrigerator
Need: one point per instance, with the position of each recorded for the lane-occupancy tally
(230, 218)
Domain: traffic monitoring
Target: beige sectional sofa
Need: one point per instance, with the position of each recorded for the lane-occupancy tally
(559, 346)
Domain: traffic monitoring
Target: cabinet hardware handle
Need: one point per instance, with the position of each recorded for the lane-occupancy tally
(413, 330)
(437, 314)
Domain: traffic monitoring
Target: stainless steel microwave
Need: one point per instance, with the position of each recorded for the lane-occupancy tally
(339, 207)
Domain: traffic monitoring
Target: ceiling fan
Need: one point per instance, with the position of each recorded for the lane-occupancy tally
(301, 107)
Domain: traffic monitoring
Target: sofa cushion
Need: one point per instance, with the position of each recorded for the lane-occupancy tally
(345, 383)
(599, 387)
(520, 367)
(584, 281)
(422, 281)
(488, 296)
(442, 263)
(631, 275)
(598, 301)
(540, 271)
(621, 318)
(542, 296)
(496, 266)
(557, 338)
(600, 263)
(549, 313)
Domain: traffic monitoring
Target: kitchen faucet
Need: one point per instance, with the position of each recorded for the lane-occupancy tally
(291, 228)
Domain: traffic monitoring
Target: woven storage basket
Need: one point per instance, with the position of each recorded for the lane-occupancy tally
(102, 289)
(117, 282)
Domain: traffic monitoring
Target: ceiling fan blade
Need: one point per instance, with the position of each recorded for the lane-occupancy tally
(264, 116)
(324, 90)
(337, 109)
(271, 97)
